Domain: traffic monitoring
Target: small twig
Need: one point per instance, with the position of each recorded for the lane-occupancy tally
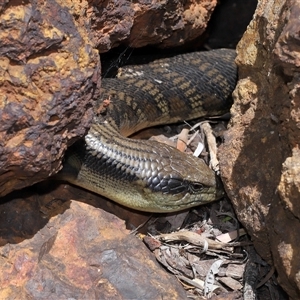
(134, 231)
(194, 238)
(268, 276)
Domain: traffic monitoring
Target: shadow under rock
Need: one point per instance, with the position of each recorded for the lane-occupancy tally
(23, 213)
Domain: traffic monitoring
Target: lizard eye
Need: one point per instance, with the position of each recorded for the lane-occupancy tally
(196, 187)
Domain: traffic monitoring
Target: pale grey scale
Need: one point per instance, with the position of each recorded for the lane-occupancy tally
(135, 161)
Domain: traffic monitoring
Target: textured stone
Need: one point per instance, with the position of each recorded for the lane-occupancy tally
(84, 253)
(260, 157)
(136, 24)
(289, 186)
(49, 72)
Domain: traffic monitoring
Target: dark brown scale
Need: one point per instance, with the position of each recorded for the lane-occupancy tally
(212, 77)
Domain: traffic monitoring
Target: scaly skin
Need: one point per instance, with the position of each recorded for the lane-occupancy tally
(147, 175)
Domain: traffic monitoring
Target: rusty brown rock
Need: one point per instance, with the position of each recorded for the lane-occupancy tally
(25, 212)
(259, 158)
(137, 24)
(48, 74)
(289, 186)
(84, 253)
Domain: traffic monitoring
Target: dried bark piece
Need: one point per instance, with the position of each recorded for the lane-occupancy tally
(235, 271)
(194, 238)
(230, 282)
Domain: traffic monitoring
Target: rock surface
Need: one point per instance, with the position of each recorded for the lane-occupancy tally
(49, 72)
(260, 157)
(83, 253)
(137, 24)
